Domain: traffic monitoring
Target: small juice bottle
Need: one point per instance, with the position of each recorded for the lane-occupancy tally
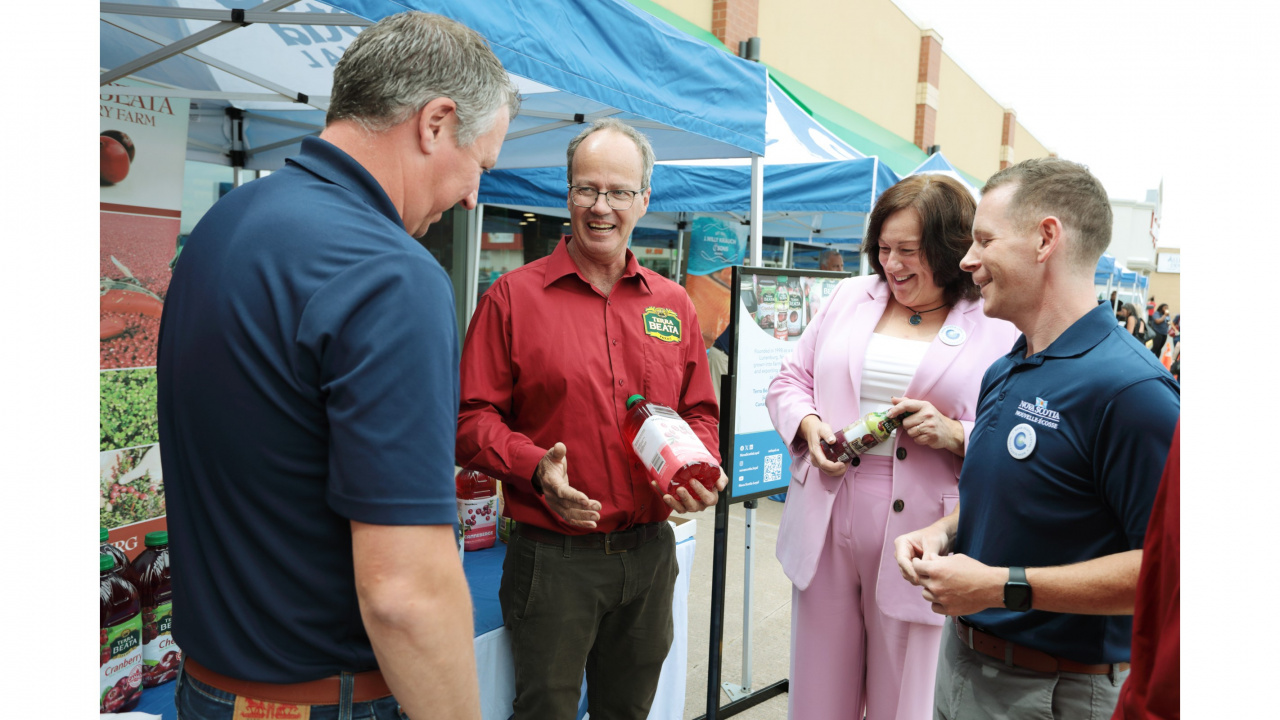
(664, 443)
(115, 552)
(120, 641)
(149, 572)
(861, 436)
(477, 495)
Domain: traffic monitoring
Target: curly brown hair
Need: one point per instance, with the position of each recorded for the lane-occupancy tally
(946, 210)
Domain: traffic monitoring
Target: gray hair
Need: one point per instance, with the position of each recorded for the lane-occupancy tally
(616, 125)
(396, 66)
(1066, 190)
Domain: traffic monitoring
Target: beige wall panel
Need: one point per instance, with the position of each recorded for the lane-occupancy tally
(864, 54)
(697, 12)
(1026, 146)
(969, 122)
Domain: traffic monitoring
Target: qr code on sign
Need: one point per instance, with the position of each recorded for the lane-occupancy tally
(772, 468)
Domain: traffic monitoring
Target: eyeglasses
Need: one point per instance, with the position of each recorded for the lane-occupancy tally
(617, 199)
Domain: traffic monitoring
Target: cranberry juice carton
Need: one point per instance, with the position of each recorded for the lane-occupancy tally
(149, 572)
(664, 443)
(120, 641)
(477, 495)
(116, 553)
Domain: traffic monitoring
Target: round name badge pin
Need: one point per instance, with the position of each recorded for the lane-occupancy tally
(952, 334)
(1022, 440)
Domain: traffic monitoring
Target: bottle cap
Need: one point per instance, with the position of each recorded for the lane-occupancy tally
(106, 562)
(157, 538)
(633, 400)
(104, 534)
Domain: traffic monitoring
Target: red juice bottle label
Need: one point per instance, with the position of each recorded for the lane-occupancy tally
(120, 673)
(480, 517)
(160, 654)
(667, 444)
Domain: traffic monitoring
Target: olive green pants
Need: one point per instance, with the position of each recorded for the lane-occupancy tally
(570, 610)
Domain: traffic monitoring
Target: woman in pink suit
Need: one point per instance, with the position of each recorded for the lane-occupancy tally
(912, 338)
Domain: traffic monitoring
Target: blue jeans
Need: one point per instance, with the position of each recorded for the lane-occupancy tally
(198, 701)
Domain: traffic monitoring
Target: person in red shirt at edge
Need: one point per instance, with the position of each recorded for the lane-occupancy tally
(1153, 690)
(554, 350)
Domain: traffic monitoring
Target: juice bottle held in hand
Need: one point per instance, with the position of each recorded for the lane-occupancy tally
(149, 572)
(116, 553)
(861, 436)
(120, 641)
(477, 508)
(664, 443)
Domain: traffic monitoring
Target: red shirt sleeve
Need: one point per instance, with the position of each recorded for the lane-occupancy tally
(485, 440)
(1153, 687)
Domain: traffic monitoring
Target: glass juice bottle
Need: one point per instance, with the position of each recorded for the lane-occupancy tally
(120, 640)
(477, 495)
(671, 453)
(861, 436)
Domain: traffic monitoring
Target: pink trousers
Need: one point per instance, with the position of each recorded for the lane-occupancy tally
(846, 654)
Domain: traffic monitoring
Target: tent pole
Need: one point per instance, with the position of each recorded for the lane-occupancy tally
(475, 221)
(757, 211)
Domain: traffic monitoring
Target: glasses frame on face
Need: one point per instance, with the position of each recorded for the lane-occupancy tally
(622, 200)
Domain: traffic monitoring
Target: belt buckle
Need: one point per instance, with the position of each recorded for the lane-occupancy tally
(608, 545)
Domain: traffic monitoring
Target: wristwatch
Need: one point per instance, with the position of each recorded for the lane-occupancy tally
(1017, 593)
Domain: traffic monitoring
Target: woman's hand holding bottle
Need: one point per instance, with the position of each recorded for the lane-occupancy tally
(815, 431)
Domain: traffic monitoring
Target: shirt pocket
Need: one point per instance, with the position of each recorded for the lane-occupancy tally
(663, 372)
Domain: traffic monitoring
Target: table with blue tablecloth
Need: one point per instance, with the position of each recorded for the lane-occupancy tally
(493, 648)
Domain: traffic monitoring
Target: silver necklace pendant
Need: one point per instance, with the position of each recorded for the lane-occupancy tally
(915, 319)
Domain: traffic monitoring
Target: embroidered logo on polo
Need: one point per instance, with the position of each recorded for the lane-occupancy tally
(1022, 440)
(662, 323)
(1038, 413)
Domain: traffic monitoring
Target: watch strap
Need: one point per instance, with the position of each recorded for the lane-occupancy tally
(1018, 575)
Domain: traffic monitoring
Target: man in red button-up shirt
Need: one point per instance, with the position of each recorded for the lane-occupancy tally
(553, 352)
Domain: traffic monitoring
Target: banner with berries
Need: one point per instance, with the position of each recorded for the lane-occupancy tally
(142, 152)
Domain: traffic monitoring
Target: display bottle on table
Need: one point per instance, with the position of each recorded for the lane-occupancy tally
(861, 436)
(149, 572)
(477, 508)
(106, 548)
(667, 447)
(782, 306)
(120, 640)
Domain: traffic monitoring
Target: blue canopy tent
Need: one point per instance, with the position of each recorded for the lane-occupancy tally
(259, 74)
(260, 88)
(937, 164)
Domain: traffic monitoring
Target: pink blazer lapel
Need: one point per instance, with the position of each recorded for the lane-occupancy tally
(860, 329)
(939, 357)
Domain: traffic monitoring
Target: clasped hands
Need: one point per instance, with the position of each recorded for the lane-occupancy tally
(581, 511)
(953, 584)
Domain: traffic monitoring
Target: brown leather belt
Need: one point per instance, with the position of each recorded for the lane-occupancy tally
(369, 686)
(1025, 657)
(615, 542)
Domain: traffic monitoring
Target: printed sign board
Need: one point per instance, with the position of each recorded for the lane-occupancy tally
(771, 309)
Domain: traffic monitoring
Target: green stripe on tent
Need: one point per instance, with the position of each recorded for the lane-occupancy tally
(866, 136)
(679, 23)
(869, 138)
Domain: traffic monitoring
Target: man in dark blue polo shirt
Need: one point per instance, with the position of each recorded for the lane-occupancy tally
(308, 396)
(1072, 431)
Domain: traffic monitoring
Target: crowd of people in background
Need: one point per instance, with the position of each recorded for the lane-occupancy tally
(1154, 328)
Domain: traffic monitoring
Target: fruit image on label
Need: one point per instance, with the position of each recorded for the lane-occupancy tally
(160, 654)
(120, 673)
(480, 519)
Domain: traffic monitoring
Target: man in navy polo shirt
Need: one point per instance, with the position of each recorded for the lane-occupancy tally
(1038, 566)
(308, 396)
